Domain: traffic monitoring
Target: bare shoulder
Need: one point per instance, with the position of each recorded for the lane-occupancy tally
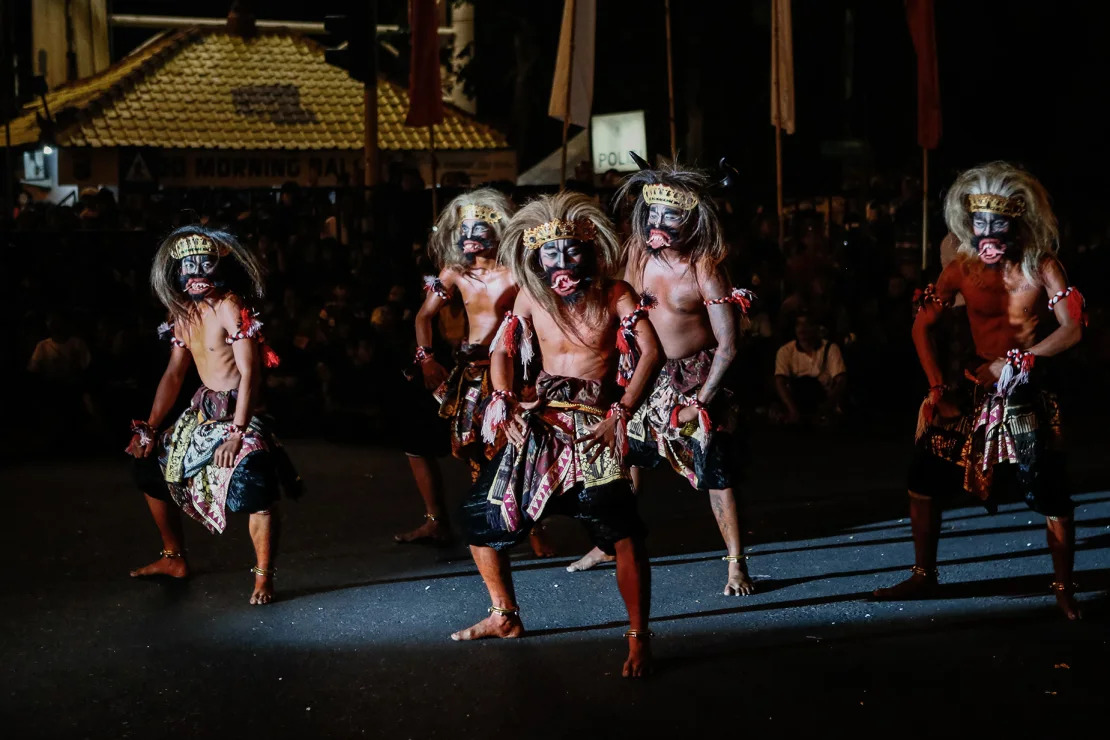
(1053, 275)
(712, 278)
(952, 277)
(622, 297)
(449, 277)
(228, 311)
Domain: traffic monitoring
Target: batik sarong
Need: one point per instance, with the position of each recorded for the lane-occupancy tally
(550, 474)
(699, 454)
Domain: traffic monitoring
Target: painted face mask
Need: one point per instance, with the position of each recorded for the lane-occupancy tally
(992, 236)
(199, 275)
(664, 226)
(475, 238)
(568, 267)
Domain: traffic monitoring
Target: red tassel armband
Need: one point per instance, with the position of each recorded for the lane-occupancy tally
(626, 339)
(515, 335)
(1019, 364)
(928, 296)
(739, 297)
(1076, 304)
(433, 284)
(251, 328)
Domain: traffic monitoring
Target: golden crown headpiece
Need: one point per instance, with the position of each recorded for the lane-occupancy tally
(998, 204)
(665, 195)
(583, 230)
(479, 213)
(194, 244)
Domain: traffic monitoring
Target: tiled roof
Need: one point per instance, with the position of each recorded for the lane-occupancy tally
(210, 89)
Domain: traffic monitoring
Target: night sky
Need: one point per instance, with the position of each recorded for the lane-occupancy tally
(1020, 80)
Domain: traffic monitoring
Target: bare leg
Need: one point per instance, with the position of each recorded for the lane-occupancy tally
(429, 481)
(541, 546)
(596, 556)
(265, 526)
(925, 524)
(634, 581)
(728, 521)
(168, 520)
(1061, 543)
(498, 577)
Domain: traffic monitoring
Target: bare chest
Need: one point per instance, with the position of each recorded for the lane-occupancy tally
(999, 295)
(490, 295)
(675, 287)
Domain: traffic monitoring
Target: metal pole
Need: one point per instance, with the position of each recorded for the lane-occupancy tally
(566, 100)
(777, 92)
(670, 80)
(435, 174)
(370, 141)
(924, 209)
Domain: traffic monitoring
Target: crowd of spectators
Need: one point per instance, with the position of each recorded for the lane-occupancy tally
(827, 341)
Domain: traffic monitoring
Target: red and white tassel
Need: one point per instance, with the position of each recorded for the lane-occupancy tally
(433, 284)
(495, 415)
(506, 337)
(269, 357)
(704, 422)
(740, 297)
(1015, 372)
(249, 326)
(620, 432)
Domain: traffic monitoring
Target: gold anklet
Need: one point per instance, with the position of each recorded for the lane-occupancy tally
(917, 570)
(431, 517)
(1060, 587)
(640, 634)
(263, 572)
(172, 553)
(735, 558)
(511, 611)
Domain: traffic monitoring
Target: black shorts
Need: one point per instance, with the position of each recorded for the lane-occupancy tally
(608, 512)
(254, 486)
(421, 431)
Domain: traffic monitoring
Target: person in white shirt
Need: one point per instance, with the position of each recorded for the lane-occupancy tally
(810, 376)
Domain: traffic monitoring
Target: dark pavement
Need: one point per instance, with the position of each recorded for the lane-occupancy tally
(357, 644)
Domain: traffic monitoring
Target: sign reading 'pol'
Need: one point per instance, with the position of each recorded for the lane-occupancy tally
(613, 136)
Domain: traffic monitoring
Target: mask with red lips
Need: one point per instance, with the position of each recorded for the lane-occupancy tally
(199, 276)
(474, 239)
(568, 267)
(664, 227)
(993, 236)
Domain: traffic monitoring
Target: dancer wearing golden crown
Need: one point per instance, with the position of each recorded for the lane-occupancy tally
(675, 253)
(220, 455)
(464, 247)
(995, 431)
(565, 448)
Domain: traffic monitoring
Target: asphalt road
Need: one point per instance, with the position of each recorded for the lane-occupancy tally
(357, 644)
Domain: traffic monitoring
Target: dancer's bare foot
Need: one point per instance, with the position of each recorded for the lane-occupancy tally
(638, 664)
(505, 626)
(434, 531)
(589, 560)
(920, 584)
(1065, 599)
(541, 547)
(739, 582)
(171, 564)
(263, 586)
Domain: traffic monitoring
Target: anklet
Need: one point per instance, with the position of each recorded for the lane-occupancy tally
(511, 611)
(735, 558)
(263, 572)
(1060, 587)
(917, 570)
(172, 553)
(431, 517)
(640, 634)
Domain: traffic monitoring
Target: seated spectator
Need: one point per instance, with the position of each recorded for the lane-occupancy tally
(810, 376)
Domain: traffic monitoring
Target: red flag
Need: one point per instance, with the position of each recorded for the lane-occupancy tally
(425, 89)
(921, 19)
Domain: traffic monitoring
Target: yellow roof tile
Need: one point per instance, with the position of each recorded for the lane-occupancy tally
(215, 90)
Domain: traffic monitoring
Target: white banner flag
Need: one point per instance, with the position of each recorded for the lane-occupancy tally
(582, 88)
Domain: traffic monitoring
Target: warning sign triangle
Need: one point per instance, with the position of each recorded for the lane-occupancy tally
(138, 171)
